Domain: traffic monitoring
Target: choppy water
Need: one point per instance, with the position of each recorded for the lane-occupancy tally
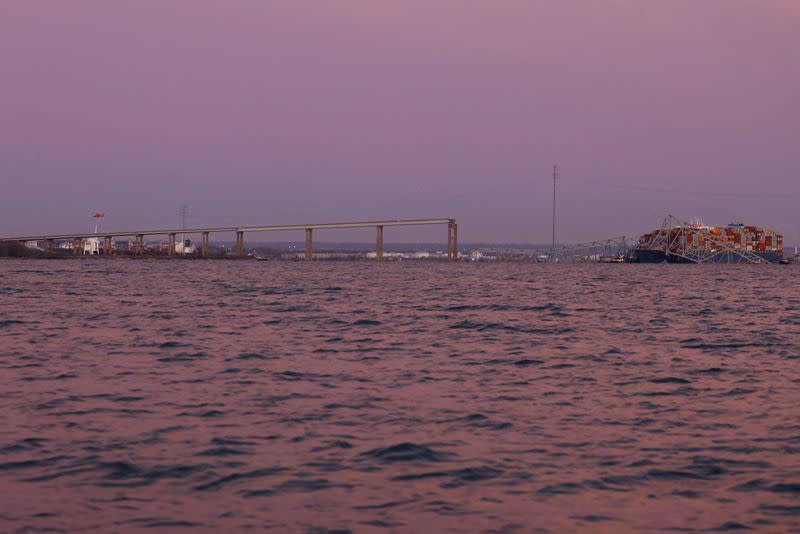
(226, 395)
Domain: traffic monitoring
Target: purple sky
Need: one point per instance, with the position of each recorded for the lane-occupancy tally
(294, 111)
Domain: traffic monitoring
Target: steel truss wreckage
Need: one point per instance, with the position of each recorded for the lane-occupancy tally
(678, 241)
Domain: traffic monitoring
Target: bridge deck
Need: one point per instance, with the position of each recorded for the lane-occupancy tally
(230, 229)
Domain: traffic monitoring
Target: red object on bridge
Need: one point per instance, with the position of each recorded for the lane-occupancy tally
(99, 215)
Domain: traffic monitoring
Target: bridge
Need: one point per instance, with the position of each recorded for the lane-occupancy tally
(239, 231)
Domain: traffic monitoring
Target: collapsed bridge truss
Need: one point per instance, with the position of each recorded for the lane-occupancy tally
(679, 240)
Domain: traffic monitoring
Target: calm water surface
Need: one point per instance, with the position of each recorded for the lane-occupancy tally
(224, 395)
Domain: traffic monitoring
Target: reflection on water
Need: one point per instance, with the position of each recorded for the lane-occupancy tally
(315, 397)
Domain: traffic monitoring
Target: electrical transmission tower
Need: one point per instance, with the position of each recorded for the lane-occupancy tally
(555, 178)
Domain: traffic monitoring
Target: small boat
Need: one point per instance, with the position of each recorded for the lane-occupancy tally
(619, 258)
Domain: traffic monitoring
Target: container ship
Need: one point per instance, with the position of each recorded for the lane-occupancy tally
(678, 242)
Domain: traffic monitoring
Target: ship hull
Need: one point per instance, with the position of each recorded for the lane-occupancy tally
(659, 256)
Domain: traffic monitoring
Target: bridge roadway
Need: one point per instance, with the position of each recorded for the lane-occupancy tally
(239, 231)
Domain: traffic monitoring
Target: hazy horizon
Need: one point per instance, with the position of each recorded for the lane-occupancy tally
(304, 112)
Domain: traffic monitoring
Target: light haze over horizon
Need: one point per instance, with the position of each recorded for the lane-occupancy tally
(299, 111)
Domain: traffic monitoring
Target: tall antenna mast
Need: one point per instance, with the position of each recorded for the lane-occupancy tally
(555, 177)
(184, 214)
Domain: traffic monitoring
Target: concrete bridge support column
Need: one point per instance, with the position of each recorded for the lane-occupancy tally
(139, 245)
(452, 241)
(77, 246)
(309, 244)
(379, 244)
(455, 242)
(48, 245)
(449, 241)
(205, 244)
(240, 244)
(109, 245)
(172, 244)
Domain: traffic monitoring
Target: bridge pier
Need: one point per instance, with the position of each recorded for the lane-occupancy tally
(239, 244)
(139, 245)
(455, 242)
(205, 244)
(379, 243)
(109, 245)
(452, 241)
(48, 245)
(77, 245)
(172, 244)
(309, 244)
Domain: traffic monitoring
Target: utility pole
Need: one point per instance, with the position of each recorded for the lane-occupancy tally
(555, 177)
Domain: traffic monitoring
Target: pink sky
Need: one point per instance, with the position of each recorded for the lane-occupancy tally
(286, 111)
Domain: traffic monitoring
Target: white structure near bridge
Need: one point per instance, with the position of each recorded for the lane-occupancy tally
(91, 246)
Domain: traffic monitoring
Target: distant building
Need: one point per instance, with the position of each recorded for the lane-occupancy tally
(91, 246)
(185, 247)
(407, 255)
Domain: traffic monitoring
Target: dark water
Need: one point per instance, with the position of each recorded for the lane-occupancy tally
(398, 397)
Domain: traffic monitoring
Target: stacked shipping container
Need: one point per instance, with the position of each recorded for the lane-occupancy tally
(712, 243)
